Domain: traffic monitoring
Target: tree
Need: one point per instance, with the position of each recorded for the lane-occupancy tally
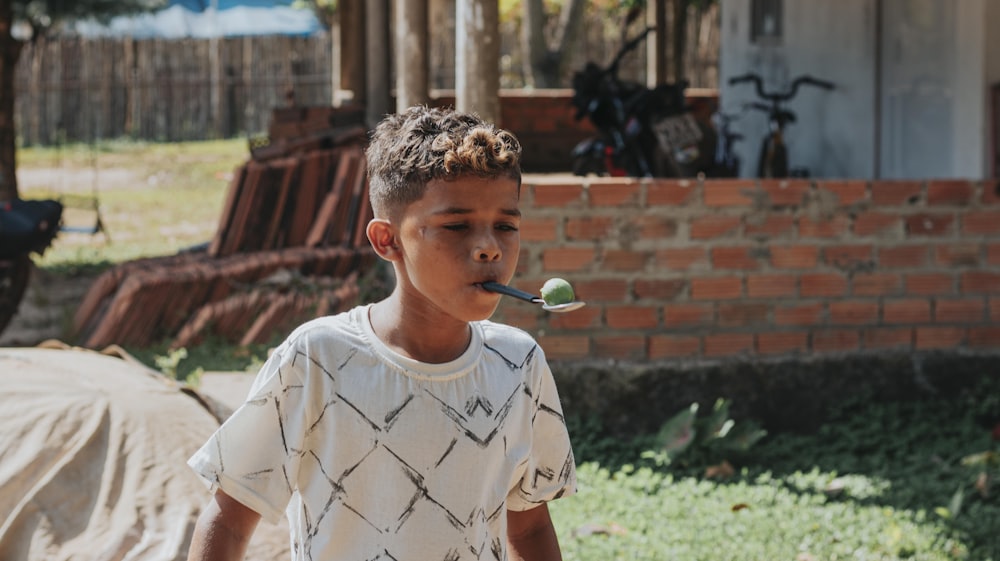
(545, 64)
(40, 16)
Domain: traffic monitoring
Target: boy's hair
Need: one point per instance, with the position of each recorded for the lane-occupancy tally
(410, 149)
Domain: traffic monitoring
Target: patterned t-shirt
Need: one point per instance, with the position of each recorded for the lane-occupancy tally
(374, 456)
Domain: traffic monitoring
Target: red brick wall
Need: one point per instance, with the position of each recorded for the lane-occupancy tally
(674, 269)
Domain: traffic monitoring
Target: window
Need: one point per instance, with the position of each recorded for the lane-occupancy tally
(765, 21)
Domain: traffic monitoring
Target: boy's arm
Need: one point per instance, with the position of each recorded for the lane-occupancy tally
(531, 535)
(223, 530)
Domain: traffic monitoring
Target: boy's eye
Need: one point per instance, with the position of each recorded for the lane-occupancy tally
(456, 227)
(507, 227)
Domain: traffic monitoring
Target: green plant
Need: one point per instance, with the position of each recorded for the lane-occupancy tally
(701, 440)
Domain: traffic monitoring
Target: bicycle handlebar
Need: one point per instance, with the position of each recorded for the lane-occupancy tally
(780, 96)
(626, 48)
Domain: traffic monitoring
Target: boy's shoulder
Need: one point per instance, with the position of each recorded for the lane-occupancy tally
(342, 326)
(508, 340)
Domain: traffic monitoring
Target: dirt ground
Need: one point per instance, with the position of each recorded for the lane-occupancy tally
(47, 309)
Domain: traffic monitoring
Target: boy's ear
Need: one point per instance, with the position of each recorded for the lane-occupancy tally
(382, 236)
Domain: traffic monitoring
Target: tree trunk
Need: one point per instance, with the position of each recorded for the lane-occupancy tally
(679, 38)
(10, 50)
(544, 67)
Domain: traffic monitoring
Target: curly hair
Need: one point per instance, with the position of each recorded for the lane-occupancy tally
(410, 149)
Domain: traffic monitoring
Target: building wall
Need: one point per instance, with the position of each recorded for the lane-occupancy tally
(685, 269)
(833, 41)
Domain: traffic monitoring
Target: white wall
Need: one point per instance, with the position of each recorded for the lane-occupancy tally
(833, 41)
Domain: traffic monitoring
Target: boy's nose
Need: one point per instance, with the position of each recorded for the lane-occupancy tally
(487, 250)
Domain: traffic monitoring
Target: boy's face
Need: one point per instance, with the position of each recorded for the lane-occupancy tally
(459, 234)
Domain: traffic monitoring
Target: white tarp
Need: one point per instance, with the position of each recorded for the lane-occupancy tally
(92, 461)
(178, 22)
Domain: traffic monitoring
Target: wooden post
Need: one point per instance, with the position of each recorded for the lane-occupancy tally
(351, 17)
(411, 53)
(477, 58)
(656, 45)
(377, 61)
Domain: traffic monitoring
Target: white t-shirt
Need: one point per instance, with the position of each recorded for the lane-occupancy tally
(373, 455)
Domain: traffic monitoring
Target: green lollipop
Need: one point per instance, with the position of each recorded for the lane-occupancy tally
(557, 291)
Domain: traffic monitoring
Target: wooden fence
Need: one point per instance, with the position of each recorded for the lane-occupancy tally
(79, 90)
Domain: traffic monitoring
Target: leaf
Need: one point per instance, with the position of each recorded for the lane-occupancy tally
(717, 423)
(678, 432)
(988, 458)
(744, 436)
(955, 505)
(724, 470)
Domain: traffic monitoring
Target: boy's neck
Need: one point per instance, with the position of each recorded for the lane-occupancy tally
(412, 333)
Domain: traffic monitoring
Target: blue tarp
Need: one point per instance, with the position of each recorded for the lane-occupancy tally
(197, 19)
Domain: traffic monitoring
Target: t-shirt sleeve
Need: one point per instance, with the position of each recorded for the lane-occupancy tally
(550, 470)
(255, 454)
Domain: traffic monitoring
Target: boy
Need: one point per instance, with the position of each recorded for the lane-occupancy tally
(412, 428)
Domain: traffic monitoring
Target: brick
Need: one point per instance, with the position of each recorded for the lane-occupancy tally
(524, 261)
(990, 192)
(965, 310)
(770, 226)
(558, 195)
(782, 342)
(981, 223)
(565, 346)
(926, 284)
(907, 311)
(658, 289)
(877, 224)
(538, 229)
(846, 193)
(585, 318)
(614, 194)
(630, 347)
(568, 258)
(770, 286)
(849, 257)
(625, 260)
(687, 315)
(958, 254)
(835, 340)
(979, 282)
(709, 227)
(682, 259)
(854, 312)
(896, 193)
(928, 224)
(799, 314)
(881, 338)
(995, 308)
(875, 284)
(718, 288)
(728, 344)
(832, 227)
(670, 346)
(631, 317)
(987, 337)
(903, 256)
(741, 258)
(601, 290)
(949, 192)
(794, 256)
(939, 337)
(785, 192)
(589, 228)
(669, 192)
(822, 285)
(742, 314)
(652, 227)
(993, 253)
(729, 192)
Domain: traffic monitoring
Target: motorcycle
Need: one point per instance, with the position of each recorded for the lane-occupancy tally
(26, 227)
(642, 132)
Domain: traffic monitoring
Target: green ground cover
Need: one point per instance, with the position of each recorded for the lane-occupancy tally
(878, 481)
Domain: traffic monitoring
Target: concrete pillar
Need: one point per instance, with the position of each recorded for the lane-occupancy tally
(477, 58)
(412, 54)
(377, 61)
(352, 52)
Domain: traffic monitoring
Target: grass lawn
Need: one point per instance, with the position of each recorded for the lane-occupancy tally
(879, 481)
